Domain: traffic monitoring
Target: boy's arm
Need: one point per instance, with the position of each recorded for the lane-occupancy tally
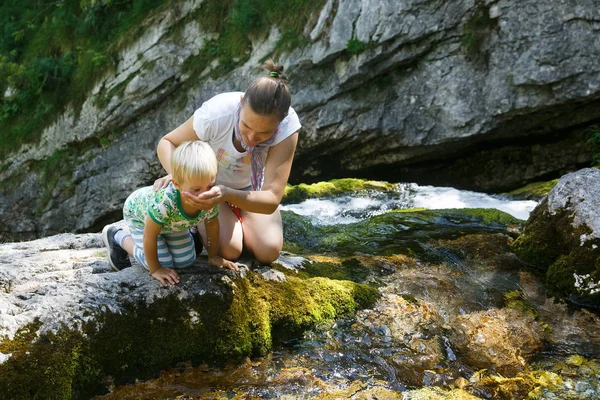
(212, 236)
(212, 245)
(163, 275)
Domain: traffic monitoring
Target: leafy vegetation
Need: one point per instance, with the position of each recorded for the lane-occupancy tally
(236, 21)
(475, 32)
(52, 53)
(355, 46)
(593, 142)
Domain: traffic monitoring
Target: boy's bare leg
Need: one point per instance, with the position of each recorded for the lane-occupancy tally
(128, 245)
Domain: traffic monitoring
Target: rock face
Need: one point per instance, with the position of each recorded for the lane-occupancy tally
(477, 94)
(562, 236)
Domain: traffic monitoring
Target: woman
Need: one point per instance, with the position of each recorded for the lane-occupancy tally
(254, 135)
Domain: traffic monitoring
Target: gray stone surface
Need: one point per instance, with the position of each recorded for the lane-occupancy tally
(579, 193)
(423, 103)
(65, 279)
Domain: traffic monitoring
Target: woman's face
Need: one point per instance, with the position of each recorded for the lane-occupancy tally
(256, 128)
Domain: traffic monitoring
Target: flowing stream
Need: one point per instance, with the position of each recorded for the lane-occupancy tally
(348, 209)
(403, 347)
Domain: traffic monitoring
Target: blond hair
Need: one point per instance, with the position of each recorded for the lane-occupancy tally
(193, 160)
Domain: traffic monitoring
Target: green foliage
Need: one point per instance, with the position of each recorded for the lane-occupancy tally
(355, 46)
(237, 20)
(593, 142)
(53, 53)
(476, 31)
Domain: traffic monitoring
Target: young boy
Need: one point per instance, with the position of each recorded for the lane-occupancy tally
(159, 222)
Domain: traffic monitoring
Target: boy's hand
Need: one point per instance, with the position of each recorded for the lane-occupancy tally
(223, 263)
(164, 275)
(207, 200)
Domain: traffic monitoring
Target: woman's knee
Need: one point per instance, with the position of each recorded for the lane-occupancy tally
(230, 252)
(267, 252)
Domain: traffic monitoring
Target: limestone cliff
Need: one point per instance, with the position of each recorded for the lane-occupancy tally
(486, 95)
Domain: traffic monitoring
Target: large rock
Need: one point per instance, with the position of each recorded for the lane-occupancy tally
(474, 94)
(562, 236)
(69, 327)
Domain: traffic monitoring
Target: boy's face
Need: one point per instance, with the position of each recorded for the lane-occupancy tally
(195, 186)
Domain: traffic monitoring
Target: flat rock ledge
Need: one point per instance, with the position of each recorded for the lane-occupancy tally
(70, 327)
(562, 236)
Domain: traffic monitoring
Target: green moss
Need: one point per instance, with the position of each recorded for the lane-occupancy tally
(550, 242)
(410, 299)
(534, 190)
(395, 232)
(350, 269)
(301, 192)
(140, 339)
(514, 299)
(489, 216)
(476, 31)
(540, 243)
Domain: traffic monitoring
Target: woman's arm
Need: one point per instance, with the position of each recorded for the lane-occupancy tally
(277, 171)
(168, 143)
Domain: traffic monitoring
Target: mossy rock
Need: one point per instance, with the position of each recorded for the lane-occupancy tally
(558, 239)
(335, 187)
(393, 232)
(244, 319)
(534, 191)
(550, 242)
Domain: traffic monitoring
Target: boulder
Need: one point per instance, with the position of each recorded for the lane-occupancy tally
(562, 237)
(69, 327)
(502, 340)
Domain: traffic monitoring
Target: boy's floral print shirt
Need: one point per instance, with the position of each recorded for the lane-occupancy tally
(164, 207)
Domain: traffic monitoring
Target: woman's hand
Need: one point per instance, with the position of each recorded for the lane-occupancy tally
(162, 182)
(223, 263)
(207, 200)
(164, 275)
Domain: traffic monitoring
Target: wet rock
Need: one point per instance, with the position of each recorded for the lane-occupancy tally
(562, 237)
(525, 385)
(436, 393)
(502, 340)
(412, 327)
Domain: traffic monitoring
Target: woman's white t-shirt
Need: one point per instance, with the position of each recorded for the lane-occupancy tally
(214, 122)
